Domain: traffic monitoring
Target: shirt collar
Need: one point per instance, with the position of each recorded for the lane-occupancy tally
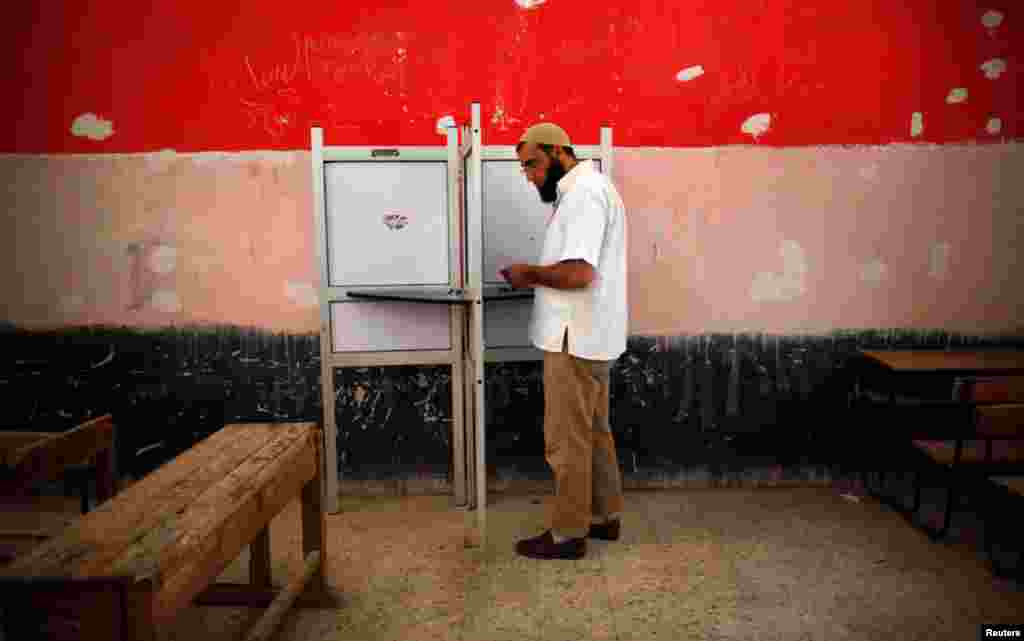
(566, 182)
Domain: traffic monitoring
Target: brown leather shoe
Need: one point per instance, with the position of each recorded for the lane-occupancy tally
(607, 531)
(544, 547)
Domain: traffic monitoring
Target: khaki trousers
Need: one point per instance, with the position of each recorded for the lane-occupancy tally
(578, 443)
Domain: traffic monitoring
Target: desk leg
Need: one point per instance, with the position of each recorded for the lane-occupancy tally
(997, 503)
(938, 533)
(105, 484)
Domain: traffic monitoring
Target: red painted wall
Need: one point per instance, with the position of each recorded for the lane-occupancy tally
(228, 75)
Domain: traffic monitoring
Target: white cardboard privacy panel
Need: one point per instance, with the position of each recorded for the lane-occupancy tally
(507, 323)
(387, 223)
(382, 326)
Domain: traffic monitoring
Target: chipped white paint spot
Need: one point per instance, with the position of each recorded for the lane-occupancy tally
(992, 18)
(699, 268)
(690, 73)
(202, 264)
(92, 127)
(71, 303)
(529, 4)
(916, 124)
(870, 173)
(165, 300)
(164, 259)
(302, 294)
(873, 272)
(756, 125)
(787, 285)
(938, 260)
(160, 161)
(500, 118)
(443, 124)
(994, 68)
(994, 125)
(956, 95)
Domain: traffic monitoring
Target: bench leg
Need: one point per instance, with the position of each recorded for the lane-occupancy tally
(259, 560)
(314, 527)
(951, 498)
(917, 491)
(138, 621)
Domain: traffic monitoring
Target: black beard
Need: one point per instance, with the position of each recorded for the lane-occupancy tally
(549, 190)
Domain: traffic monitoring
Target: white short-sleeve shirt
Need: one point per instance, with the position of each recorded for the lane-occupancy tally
(588, 223)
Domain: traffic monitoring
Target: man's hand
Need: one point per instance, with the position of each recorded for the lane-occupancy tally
(518, 276)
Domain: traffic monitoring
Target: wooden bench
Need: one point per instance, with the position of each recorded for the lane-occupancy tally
(1006, 497)
(129, 566)
(991, 442)
(27, 458)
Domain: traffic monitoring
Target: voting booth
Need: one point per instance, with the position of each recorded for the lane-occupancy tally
(411, 241)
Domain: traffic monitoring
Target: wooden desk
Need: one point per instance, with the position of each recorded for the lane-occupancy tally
(1007, 494)
(893, 372)
(948, 362)
(30, 457)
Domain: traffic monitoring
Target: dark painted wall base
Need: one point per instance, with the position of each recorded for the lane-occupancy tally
(704, 400)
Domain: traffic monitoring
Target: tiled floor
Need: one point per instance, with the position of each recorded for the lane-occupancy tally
(787, 563)
(764, 563)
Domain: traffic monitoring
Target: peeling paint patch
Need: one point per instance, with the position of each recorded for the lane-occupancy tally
(163, 259)
(443, 124)
(271, 158)
(993, 68)
(499, 118)
(956, 96)
(992, 19)
(302, 294)
(873, 272)
(359, 394)
(994, 125)
(938, 260)
(756, 125)
(71, 303)
(699, 268)
(160, 161)
(787, 285)
(202, 264)
(529, 4)
(93, 127)
(690, 73)
(165, 300)
(916, 124)
(870, 172)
